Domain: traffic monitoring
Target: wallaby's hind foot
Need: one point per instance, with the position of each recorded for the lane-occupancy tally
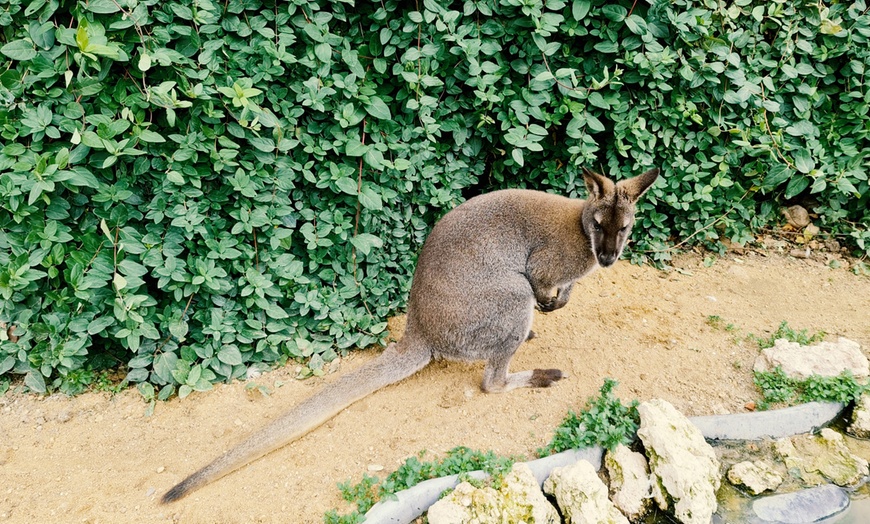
(544, 378)
(537, 378)
(496, 378)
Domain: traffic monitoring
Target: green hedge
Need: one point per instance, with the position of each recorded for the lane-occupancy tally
(190, 189)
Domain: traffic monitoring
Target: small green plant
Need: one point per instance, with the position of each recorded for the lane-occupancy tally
(861, 268)
(716, 322)
(606, 421)
(842, 388)
(777, 388)
(785, 331)
(459, 460)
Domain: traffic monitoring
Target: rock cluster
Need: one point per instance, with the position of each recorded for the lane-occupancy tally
(682, 476)
(519, 500)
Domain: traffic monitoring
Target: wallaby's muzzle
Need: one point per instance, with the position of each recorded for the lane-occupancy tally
(607, 259)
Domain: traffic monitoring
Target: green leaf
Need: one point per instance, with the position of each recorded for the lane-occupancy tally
(6, 364)
(355, 148)
(119, 281)
(347, 185)
(21, 50)
(144, 63)
(517, 155)
(580, 8)
(230, 355)
(266, 145)
(796, 185)
(103, 7)
(323, 52)
(98, 324)
(803, 160)
(164, 365)
(35, 382)
(152, 137)
(636, 25)
(364, 242)
(777, 174)
(378, 109)
(614, 12)
(607, 47)
(370, 199)
(802, 128)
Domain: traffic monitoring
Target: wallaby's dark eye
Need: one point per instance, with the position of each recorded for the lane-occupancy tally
(596, 227)
(624, 229)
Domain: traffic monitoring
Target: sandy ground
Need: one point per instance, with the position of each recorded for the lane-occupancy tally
(98, 458)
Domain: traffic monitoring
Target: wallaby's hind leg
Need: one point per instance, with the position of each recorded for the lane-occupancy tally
(497, 379)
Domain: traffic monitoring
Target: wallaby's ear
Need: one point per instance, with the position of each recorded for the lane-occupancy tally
(635, 187)
(596, 184)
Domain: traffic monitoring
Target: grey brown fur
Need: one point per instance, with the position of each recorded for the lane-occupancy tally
(483, 270)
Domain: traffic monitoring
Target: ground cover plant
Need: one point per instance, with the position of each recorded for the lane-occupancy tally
(778, 389)
(191, 189)
(605, 421)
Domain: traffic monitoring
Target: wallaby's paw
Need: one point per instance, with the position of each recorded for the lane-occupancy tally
(543, 378)
(531, 335)
(546, 307)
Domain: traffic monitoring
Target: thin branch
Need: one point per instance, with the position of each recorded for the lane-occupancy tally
(358, 209)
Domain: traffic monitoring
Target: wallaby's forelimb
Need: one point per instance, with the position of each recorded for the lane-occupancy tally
(394, 364)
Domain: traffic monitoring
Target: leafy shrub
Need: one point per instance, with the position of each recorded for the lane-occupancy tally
(191, 188)
(605, 421)
(777, 388)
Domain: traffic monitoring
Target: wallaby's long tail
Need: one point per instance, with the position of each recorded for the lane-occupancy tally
(394, 364)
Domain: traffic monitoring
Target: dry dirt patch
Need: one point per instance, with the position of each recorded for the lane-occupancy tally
(96, 458)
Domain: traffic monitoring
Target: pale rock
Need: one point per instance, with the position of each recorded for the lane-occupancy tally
(630, 486)
(860, 424)
(683, 466)
(821, 458)
(582, 496)
(756, 477)
(519, 500)
(797, 216)
(827, 359)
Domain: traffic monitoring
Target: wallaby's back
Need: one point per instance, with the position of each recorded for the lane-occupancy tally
(483, 253)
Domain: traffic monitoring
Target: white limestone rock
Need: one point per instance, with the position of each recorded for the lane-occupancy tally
(519, 500)
(756, 477)
(860, 424)
(630, 485)
(827, 359)
(582, 496)
(822, 458)
(683, 467)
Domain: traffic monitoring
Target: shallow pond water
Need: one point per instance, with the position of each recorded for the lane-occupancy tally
(735, 506)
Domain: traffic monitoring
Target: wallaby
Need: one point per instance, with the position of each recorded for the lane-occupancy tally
(482, 271)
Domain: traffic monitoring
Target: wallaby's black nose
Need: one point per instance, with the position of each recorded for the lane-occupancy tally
(606, 259)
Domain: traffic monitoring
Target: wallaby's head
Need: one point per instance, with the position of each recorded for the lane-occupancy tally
(609, 212)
